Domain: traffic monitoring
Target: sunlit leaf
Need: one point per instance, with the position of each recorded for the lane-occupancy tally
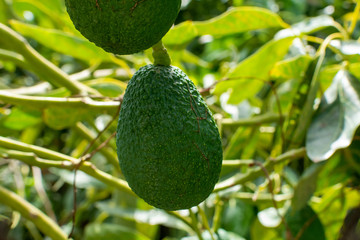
(240, 19)
(307, 26)
(235, 20)
(350, 48)
(293, 68)
(270, 217)
(337, 119)
(246, 79)
(62, 42)
(96, 231)
(181, 34)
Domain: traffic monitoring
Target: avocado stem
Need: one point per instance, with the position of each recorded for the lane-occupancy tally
(161, 55)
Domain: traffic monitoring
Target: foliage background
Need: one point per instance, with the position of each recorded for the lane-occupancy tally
(280, 77)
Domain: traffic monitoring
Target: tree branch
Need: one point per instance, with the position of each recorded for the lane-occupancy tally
(43, 222)
(44, 102)
(38, 63)
(257, 171)
(38, 156)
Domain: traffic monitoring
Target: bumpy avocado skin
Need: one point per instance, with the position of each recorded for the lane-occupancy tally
(123, 26)
(168, 144)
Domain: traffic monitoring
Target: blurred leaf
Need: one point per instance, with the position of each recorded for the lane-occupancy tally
(337, 119)
(5, 12)
(306, 186)
(45, 12)
(306, 223)
(60, 118)
(152, 216)
(250, 74)
(334, 205)
(258, 231)
(328, 73)
(19, 118)
(293, 68)
(241, 19)
(108, 86)
(62, 42)
(237, 217)
(237, 143)
(181, 34)
(308, 26)
(235, 20)
(95, 231)
(221, 234)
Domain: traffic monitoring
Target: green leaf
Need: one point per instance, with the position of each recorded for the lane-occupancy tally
(95, 231)
(108, 86)
(308, 26)
(62, 42)
(258, 231)
(235, 20)
(241, 19)
(306, 223)
(306, 186)
(293, 68)
(181, 34)
(237, 217)
(337, 119)
(20, 119)
(250, 74)
(60, 118)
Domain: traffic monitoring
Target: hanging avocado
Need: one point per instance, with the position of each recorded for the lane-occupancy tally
(169, 146)
(123, 26)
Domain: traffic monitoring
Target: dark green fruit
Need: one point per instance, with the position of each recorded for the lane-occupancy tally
(123, 26)
(169, 146)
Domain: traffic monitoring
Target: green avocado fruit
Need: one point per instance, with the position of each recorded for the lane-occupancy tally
(123, 26)
(168, 144)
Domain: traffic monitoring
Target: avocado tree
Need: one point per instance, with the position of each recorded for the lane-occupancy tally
(268, 90)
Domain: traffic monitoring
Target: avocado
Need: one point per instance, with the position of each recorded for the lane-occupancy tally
(168, 144)
(123, 26)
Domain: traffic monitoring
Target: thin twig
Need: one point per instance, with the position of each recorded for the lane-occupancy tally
(41, 191)
(90, 155)
(102, 131)
(271, 190)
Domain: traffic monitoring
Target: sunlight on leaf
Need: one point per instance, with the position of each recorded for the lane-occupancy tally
(293, 68)
(337, 119)
(235, 20)
(249, 75)
(307, 26)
